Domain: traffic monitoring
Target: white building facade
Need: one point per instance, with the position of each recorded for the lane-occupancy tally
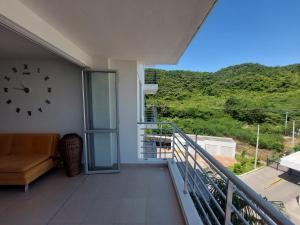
(216, 146)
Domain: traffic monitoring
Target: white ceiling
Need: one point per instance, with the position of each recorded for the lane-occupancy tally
(14, 46)
(150, 31)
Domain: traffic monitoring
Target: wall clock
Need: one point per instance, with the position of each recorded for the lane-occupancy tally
(27, 89)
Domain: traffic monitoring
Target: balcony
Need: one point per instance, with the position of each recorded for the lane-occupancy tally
(178, 183)
(218, 196)
(138, 195)
(151, 86)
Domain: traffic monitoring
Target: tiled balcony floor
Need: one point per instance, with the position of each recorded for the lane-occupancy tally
(139, 195)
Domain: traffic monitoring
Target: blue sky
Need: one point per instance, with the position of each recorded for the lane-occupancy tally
(240, 31)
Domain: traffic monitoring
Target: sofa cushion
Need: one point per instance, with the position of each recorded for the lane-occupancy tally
(21, 162)
(27, 177)
(5, 143)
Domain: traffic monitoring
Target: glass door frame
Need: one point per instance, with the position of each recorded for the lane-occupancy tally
(87, 131)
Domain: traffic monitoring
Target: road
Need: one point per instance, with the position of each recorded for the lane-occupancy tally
(277, 186)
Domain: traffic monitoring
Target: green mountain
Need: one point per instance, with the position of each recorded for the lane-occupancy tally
(231, 101)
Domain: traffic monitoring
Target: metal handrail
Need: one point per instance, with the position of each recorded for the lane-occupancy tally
(264, 209)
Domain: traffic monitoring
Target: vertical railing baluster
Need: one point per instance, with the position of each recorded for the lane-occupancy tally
(228, 208)
(173, 144)
(186, 168)
(195, 160)
(194, 179)
(160, 140)
(165, 142)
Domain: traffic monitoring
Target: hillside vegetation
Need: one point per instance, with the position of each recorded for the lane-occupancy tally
(231, 101)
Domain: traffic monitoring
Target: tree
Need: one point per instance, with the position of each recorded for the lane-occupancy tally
(244, 111)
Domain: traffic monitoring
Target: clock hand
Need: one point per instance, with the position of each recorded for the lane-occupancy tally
(26, 90)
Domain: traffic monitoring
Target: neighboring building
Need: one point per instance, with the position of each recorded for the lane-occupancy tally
(216, 146)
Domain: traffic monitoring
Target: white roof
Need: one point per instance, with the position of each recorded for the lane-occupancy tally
(291, 161)
(211, 138)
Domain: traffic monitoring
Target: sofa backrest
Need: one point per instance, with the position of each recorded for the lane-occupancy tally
(29, 143)
(5, 143)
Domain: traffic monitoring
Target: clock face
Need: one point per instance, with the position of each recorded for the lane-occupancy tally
(27, 89)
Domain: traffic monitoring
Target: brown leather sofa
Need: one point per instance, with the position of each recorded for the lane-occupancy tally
(25, 157)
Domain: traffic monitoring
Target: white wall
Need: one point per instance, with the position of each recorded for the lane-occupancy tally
(63, 115)
(127, 98)
(226, 149)
(222, 148)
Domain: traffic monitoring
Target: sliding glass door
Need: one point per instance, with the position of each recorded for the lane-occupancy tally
(101, 121)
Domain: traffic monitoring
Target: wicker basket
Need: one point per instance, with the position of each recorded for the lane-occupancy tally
(70, 147)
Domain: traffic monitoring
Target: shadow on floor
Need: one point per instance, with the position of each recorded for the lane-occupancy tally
(291, 177)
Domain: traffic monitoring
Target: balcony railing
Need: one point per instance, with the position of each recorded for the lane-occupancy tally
(151, 86)
(150, 114)
(151, 78)
(219, 196)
